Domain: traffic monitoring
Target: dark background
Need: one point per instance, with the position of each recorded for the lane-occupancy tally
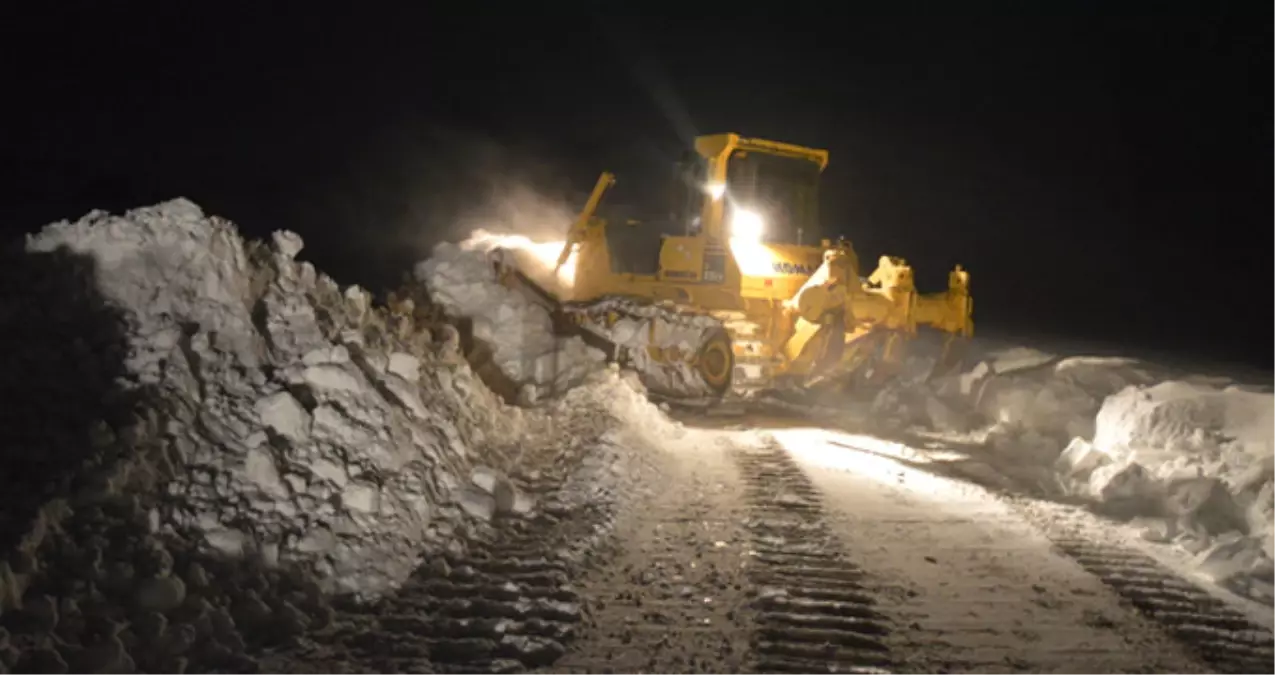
(1105, 177)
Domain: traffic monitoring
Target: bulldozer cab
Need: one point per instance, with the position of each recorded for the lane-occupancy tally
(782, 191)
(725, 189)
(688, 193)
(637, 230)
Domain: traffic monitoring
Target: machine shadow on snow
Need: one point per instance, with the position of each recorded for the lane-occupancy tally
(64, 357)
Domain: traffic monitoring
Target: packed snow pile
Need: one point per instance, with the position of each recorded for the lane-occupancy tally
(1027, 401)
(1172, 420)
(1054, 401)
(1200, 460)
(208, 438)
(293, 422)
(617, 466)
(1190, 457)
(519, 332)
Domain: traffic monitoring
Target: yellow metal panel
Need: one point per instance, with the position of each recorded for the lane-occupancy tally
(716, 145)
(682, 259)
(719, 146)
(819, 157)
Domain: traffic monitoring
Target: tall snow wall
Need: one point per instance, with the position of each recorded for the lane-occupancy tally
(268, 413)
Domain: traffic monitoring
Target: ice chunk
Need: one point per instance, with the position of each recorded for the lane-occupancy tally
(284, 415)
(405, 366)
(1122, 482)
(1227, 557)
(332, 378)
(361, 498)
(476, 502)
(1205, 501)
(1079, 459)
(260, 469)
(288, 244)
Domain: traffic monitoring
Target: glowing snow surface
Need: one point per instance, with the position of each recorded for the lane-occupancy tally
(978, 574)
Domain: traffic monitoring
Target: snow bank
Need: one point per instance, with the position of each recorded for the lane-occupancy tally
(1171, 420)
(1191, 457)
(1208, 453)
(207, 438)
(518, 331)
(1058, 399)
(289, 421)
(1031, 400)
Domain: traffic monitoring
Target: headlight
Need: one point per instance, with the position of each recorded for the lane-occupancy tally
(715, 190)
(746, 225)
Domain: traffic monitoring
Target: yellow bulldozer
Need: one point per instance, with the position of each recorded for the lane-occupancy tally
(736, 290)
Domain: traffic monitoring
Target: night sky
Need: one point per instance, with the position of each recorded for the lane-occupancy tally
(1104, 178)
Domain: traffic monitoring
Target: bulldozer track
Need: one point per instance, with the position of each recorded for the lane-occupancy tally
(506, 604)
(1217, 634)
(815, 614)
(661, 341)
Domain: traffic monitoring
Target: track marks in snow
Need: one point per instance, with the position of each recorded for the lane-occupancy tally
(673, 597)
(970, 586)
(1224, 632)
(1221, 636)
(505, 602)
(815, 615)
(506, 605)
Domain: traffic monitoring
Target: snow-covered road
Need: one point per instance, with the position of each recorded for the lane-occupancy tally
(971, 586)
(808, 550)
(674, 596)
